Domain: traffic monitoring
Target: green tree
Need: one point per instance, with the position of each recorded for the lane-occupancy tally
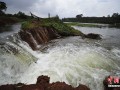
(3, 7)
(21, 15)
(79, 16)
(115, 15)
(108, 16)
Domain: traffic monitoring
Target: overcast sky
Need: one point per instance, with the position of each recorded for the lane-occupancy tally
(64, 8)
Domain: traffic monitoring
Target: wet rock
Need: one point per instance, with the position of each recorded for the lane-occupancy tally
(60, 86)
(37, 36)
(27, 37)
(82, 87)
(64, 86)
(7, 87)
(93, 36)
(44, 81)
(31, 87)
(43, 84)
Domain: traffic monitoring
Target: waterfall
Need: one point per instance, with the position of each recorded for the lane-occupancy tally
(72, 60)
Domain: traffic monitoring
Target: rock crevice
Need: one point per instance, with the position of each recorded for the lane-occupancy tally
(37, 36)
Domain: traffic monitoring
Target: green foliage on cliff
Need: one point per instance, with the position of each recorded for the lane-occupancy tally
(28, 25)
(62, 28)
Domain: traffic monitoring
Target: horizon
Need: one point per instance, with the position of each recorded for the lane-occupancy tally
(64, 8)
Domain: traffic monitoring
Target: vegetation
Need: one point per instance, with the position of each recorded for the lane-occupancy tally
(8, 20)
(31, 22)
(56, 23)
(113, 19)
(82, 24)
(62, 28)
(2, 7)
(11, 18)
(117, 25)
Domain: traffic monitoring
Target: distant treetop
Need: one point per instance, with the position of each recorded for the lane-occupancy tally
(3, 7)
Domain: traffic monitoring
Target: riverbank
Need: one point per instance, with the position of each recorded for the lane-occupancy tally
(5, 20)
(72, 60)
(96, 25)
(40, 31)
(82, 24)
(57, 24)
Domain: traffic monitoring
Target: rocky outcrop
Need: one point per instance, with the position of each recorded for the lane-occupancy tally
(42, 30)
(93, 36)
(43, 84)
(37, 36)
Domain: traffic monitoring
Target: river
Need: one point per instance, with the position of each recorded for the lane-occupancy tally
(71, 59)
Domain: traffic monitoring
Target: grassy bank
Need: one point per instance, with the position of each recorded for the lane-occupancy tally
(117, 25)
(58, 25)
(82, 24)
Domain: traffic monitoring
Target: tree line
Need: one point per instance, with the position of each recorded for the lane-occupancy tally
(3, 8)
(114, 18)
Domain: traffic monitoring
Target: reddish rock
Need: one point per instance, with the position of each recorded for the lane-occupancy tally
(38, 36)
(60, 86)
(82, 87)
(7, 87)
(44, 81)
(43, 84)
(64, 86)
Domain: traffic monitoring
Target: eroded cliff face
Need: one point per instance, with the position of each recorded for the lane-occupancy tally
(43, 84)
(40, 35)
(36, 32)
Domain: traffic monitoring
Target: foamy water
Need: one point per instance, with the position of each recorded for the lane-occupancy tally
(72, 60)
(85, 64)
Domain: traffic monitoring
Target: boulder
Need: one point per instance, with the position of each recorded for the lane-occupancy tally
(43, 84)
(93, 36)
(44, 81)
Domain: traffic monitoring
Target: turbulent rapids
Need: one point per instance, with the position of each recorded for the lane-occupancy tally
(72, 59)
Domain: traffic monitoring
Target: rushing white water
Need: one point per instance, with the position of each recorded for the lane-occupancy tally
(74, 64)
(72, 60)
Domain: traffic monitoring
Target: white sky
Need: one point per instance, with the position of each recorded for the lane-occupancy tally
(64, 8)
